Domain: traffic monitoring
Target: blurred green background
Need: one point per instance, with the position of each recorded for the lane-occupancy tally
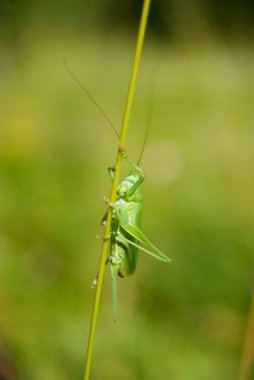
(184, 320)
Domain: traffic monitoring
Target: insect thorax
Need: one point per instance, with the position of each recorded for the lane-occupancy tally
(125, 185)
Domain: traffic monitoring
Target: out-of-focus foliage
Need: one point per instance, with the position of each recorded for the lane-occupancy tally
(168, 19)
(184, 320)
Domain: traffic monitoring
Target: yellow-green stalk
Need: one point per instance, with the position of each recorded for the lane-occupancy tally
(126, 116)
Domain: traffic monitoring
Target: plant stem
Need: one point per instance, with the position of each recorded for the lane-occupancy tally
(125, 122)
(247, 360)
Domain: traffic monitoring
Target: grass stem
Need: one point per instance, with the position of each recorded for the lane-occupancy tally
(247, 360)
(125, 122)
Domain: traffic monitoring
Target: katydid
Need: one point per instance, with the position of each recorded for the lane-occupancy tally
(126, 234)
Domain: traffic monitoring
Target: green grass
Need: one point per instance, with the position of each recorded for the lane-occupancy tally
(179, 321)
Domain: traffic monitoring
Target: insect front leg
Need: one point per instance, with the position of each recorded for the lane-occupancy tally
(111, 172)
(135, 170)
(135, 186)
(134, 166)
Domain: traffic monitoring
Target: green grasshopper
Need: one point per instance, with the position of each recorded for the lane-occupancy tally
(126, 234)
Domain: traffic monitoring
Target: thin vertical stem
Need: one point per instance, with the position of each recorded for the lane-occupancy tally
(247, 360)
(126, 116)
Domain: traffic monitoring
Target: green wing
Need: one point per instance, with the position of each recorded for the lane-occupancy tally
(140, 236)
(143, 249)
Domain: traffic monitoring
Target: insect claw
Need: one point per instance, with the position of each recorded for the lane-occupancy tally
(113, 168)
(107, 201)
(104, 238)
(122, 151)
(94, 282)
(120, 273)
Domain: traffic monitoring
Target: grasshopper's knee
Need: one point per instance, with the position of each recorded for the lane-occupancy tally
(140, 172)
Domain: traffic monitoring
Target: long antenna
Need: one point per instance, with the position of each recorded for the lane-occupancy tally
(149, 120)
(144, 143)
(119, 157)
(90, 97)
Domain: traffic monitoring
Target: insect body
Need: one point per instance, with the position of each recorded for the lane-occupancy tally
(126, 234)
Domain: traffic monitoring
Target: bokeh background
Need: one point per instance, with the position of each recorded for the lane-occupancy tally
(184, 320)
